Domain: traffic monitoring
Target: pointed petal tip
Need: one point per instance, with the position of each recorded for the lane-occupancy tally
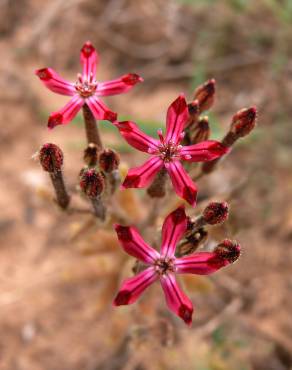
(186, 314)
(132, 79)
(54, 120)
(43, 74)
(87, 49)
(122, 298)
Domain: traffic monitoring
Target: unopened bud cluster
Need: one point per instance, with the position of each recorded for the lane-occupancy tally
(92, 183)
(51, 157)
(109, 161)
(216, 213)
(229, 250)
(51, 160)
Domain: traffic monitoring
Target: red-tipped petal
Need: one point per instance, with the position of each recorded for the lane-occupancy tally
(132, 288)
(100, 110)
(67, 113)
(118, 86)
(177, 116)
(142, 176)
(132, 242)
(54, 82)
(202, 263)
(136, 138)
(176, 299)
(182, 183)
(89, 59)
(173, 229)
(204, 151)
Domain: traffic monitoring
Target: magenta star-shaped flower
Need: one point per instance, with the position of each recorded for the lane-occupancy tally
(164, 266)
(168, 153)
(86, 90)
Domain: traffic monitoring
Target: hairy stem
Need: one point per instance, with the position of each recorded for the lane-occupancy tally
(62, 197)
(98, 208)
(92, 132)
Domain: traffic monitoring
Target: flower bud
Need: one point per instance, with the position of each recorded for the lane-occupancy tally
(228, 250)
(90, 154)
(109, 160)
(51, 158)
(215, 213)
(243, 122)
(92, 183)
(205, 94)
(194, 111)
(200, 131)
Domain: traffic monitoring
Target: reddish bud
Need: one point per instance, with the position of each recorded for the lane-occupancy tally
(90, 155)
(193, 108)
(228, 250)
(215, 213)
(201, 131)
(109, 160)
(51, 158)
(194, 113)
(243, 122)
(205, 94)
(91, 183)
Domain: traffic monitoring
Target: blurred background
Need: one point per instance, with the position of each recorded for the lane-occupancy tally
(58, 273)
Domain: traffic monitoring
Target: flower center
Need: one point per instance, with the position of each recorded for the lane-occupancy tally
(168, 151)
(85, 87)
(164, 265)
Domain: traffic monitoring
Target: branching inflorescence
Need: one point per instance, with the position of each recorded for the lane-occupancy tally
(173, 155)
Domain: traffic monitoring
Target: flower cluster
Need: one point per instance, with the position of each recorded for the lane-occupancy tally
(184, 142)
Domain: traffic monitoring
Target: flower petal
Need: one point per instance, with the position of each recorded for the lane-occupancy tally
(89, 60)
(132, 288)
(202, 263)
(100, 110)
(177, 116)
(204, 151)
(173, 229)
(133, 244)
(176, 299)
(118, 86)
(136, 138)
(67, 113)
(182, 183)
(140, 177)
(54, 82)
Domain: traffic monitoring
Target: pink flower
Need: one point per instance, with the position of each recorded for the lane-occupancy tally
(168, 153)
(164, 266)
(86, 90)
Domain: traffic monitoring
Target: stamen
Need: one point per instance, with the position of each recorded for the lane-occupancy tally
(151, 151)
(161, 138)
(187, 156)
(181, 136)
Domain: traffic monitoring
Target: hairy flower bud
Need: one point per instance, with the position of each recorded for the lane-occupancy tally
(200, 131)
(228, 250)
(92, 183)
(51, 158)
(243, 122)
(90, 154)
(109, 160)
(205, 94)
(194, 112)
(215, 213)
